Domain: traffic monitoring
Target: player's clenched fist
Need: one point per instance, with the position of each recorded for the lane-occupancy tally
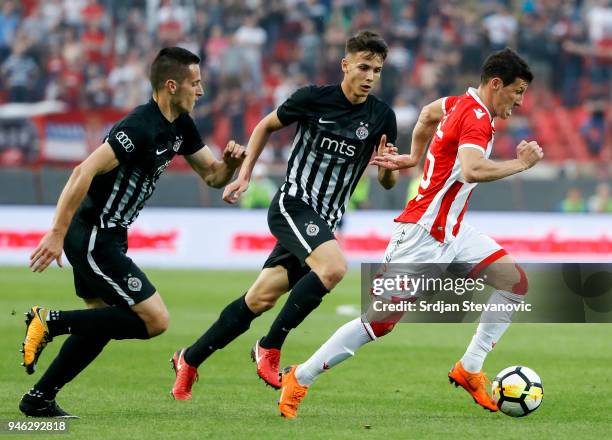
(234, 154)
(529, 153)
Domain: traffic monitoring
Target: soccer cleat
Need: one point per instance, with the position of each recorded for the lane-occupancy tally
(473, 383)
(36, 337)
(292, 393)
(267, 360)
(186, 376)
(33, 406)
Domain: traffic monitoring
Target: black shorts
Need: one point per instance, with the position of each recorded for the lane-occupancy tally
(100, 266)
(299, 230)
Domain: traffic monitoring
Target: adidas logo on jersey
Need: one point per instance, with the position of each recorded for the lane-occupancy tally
(479, 113)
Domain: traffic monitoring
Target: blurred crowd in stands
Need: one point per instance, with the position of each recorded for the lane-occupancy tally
(95, 54)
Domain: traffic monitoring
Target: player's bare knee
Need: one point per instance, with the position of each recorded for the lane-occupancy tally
(260, 302)
(331, 274)
(521, 287)
(511, 279)
(158, 324)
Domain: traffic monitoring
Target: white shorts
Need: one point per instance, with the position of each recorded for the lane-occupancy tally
(413, 251)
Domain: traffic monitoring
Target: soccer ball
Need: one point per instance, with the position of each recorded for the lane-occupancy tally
(517, 391)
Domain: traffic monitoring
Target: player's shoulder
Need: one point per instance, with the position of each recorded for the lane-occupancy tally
(138, 123)
(140, 116)
(323, 89)
(319, 91)
(470, 108)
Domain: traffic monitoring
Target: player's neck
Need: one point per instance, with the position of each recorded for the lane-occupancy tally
(166, 109)
(486, 98)
(350, 95)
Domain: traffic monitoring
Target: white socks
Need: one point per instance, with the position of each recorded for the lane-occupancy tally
(341, 346)
(491, 328)
(352, 335)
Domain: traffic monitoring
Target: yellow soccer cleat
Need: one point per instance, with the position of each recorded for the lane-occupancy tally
(36, 338)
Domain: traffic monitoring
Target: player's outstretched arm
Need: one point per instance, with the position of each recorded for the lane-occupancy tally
(217, 173)
(256, 144)
(477, 168)
(423, 132)
(101, 161)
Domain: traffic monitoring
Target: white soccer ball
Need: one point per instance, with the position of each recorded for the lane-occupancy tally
(517, 391)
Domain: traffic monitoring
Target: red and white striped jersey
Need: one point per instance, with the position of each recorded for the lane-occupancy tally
(443, 194)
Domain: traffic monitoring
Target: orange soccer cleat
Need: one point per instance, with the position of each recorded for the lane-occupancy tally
(473, 383)
(36, 338)
(292, 393)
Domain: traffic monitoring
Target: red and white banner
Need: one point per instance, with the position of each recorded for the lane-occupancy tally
(233, 238)
(70, 136)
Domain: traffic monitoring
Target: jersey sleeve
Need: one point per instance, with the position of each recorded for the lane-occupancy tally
(128, 139)
(448, 103)
(476, 130)
(192, 141)
(295, 107)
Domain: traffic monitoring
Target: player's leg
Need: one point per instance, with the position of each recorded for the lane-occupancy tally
(236, 317)
(101, 266)
(328, 266)
(342, 345)
(510, 282)
(267, 360)
(375, 323)
(234, 320)
(307, 238)
(76, 354)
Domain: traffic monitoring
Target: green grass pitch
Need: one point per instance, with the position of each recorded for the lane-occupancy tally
(394, 388)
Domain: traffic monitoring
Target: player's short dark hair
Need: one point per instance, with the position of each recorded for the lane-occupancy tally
(367, 41)
(507, 65)
(171, 63)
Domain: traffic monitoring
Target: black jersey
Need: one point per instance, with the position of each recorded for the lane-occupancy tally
(145, 143)
(333, 144)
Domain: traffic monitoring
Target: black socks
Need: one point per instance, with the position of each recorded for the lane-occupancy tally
(112, 322)
(233, 321)
(76, 354)
(306, 296)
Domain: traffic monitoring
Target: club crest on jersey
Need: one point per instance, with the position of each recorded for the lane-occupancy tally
(312, 229)
(362, 132)
(177, 143)
(134, 284)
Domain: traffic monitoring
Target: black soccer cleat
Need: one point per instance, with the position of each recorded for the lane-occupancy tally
(39, 407)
